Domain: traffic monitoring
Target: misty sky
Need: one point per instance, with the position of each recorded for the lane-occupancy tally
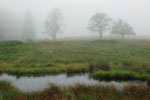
(77, 13)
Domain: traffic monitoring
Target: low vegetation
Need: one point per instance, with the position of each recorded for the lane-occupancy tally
(7, 91)
(105, 59)
(74, 56)
(119, 75)
(78, 92)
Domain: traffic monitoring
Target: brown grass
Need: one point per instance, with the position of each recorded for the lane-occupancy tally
(84, 92)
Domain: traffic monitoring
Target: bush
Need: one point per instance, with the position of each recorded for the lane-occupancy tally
(103, 65)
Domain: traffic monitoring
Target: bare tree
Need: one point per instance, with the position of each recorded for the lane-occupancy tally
(122, 28)
(53, 23)
(28, 28)
(99, 23)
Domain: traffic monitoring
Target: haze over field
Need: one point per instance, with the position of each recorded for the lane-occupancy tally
(76, 14)
(74, 49)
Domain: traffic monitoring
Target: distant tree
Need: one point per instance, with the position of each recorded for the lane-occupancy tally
(28, 27)
(99, 23)
(53, 23)
(122, 28)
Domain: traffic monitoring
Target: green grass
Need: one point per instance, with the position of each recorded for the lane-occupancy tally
(120, 75)
(7, 91)
(74, 56)
(78, 92)
(113, 59)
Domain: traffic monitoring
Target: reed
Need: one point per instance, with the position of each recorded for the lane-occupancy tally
(77, 92)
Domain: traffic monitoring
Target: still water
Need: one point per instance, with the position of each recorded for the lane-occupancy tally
(34, 84)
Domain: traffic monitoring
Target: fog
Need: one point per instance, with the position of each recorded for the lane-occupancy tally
(76, 14)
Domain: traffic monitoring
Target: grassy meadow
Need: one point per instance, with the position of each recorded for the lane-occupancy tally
(105, 59)
(74, 56)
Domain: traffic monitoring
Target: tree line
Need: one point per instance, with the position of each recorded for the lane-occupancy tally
(99, 23)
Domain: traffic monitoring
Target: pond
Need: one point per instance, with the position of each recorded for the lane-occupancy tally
(39, 83)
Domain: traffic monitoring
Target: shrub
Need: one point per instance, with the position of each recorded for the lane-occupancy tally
(103, 65)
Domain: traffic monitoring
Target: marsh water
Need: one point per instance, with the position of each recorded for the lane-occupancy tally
(39, 83)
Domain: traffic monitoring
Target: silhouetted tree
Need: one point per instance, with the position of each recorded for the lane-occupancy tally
(122, 28)
(28, 27)
(53, 23)
(99, 23)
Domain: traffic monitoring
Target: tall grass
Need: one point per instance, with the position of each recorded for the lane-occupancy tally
(78, 92)
(7, 91)
(119, 75)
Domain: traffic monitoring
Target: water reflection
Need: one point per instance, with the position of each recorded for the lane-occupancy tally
(33, 84)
